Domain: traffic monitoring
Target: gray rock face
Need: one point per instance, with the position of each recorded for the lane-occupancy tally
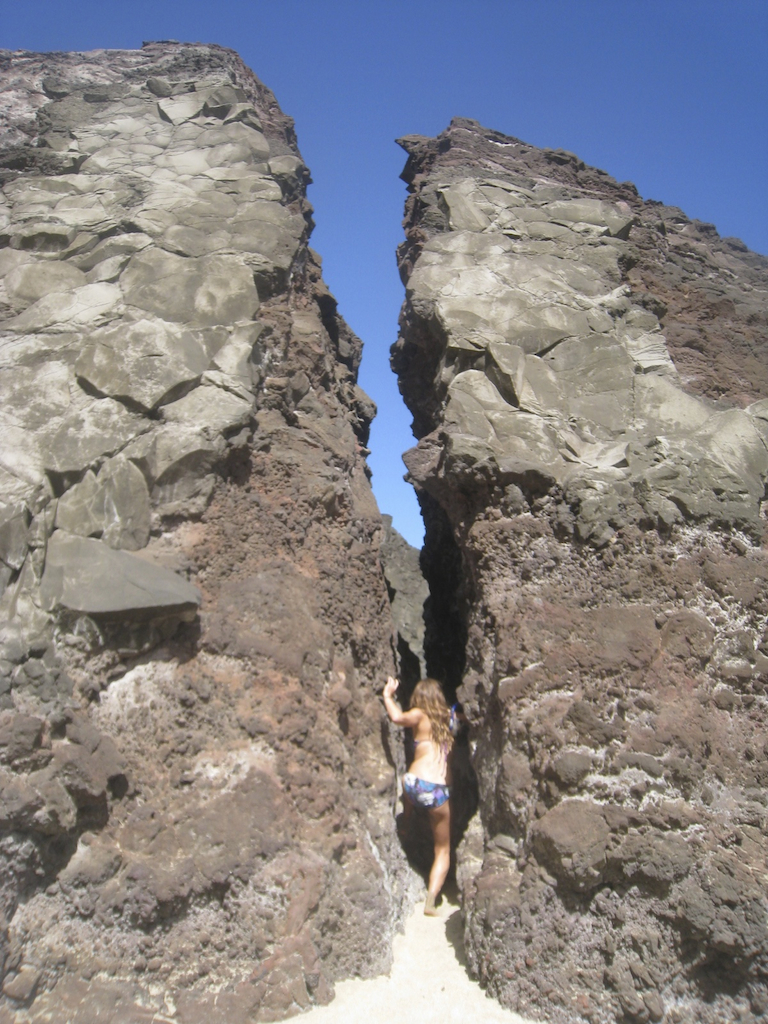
(113, 504)
(142, 362)
(195, 801)
(408, 592)
(601, 499)
(126, 286)
(208, 290)
(545, 366)
(84, 575)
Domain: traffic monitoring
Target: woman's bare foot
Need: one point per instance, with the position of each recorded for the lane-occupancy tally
(429, 906)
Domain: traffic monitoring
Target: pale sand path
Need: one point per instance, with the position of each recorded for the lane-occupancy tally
(428, 983)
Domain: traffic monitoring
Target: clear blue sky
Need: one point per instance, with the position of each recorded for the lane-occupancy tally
(670, 94)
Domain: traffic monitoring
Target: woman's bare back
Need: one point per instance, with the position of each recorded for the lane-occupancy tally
(430, 761)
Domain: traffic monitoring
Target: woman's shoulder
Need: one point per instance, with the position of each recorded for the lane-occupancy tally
(418, 717)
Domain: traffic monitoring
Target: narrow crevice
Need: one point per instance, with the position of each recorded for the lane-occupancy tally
(445, 645)
(446, 632)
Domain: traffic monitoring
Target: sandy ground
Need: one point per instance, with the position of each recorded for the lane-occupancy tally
(428, 982)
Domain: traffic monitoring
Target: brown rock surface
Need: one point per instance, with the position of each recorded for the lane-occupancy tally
(408, 593)
(587, 374)
(195, 797)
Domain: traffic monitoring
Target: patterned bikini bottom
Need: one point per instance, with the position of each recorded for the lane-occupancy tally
(425, 794)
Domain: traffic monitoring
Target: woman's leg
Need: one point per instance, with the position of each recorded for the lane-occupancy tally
(440, 820)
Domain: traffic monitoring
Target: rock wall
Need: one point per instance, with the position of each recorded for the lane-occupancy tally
(195, 791)
(408, 594)
(587, 375)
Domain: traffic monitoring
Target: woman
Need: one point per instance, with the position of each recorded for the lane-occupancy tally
(427, 783)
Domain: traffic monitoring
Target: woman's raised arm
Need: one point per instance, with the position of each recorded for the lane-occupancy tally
(407, 719)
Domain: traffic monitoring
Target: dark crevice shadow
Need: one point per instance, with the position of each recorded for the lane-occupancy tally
(454, 932)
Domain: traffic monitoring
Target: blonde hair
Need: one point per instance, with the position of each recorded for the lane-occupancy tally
(428, 697)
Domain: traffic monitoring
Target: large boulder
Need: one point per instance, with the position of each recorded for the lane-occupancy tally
(195, 789)
(209, 290)
(85, 575)
(587, 374)
(143, 362)
(113, 504)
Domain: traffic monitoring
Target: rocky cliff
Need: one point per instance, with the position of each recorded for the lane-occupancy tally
(587, 374)
(195, 790)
